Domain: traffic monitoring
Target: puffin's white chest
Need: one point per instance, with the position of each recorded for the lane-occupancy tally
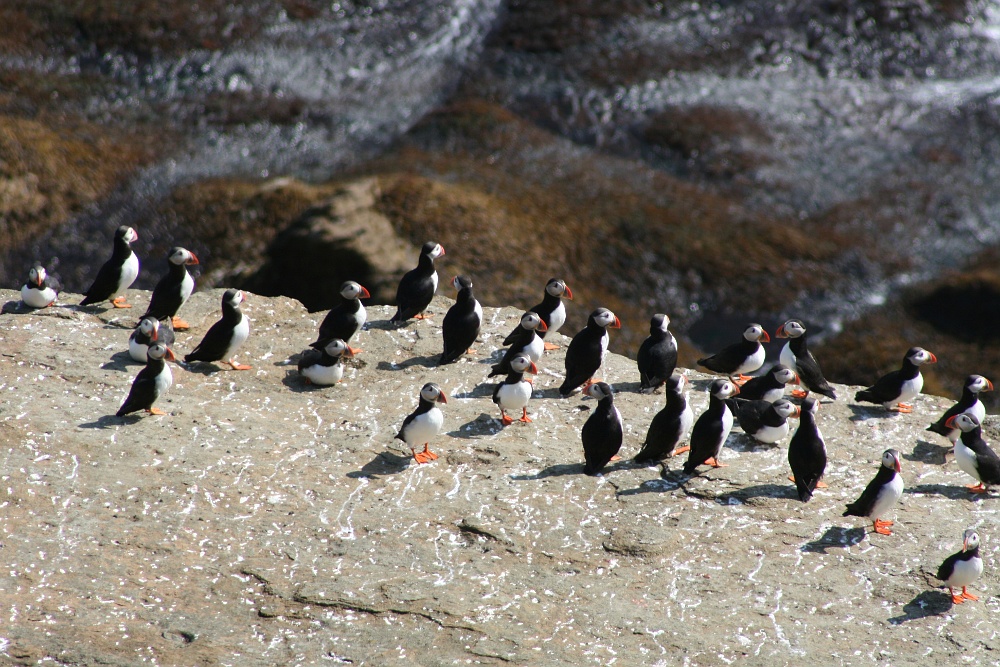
(605, 339)
(130, 271)
(324, 376)
(966, 572)
(687, 421)
(187, 286)
(514, 396)
(137, 350)
(727, 426)
(240, 334)
(753, 362)
(424, 427)
(361, 316)
(434, 281)
(535, 348)
(772, 395)
(37, 298)
(163, 380)
(557, 318)
(787, 357)
(478, 310)
(908, 391)
(966, 460)
(887, 496)
(771, 434)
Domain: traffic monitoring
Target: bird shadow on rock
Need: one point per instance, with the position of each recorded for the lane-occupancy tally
(109, 421)
(622, 387)
(864, 413)
(553, 392)
(927, 603)
(557, 470)
(761, 491)
(300, 384)
(482, 425)
(120, 361)
(928, 452)
(835, 537)
(702, 384)
(385, 463)
(17, 307)
(484, 390)
(664, 484)
(427, 362)
(205, 368)
(946, 490)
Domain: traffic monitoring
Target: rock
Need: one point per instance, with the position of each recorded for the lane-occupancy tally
(263, 519)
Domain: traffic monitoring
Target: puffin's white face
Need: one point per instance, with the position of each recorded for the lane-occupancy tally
(970, 539)
(786, 409)
(531, 321)
(437, 251)
(523, 364)
(182, 256)
(150, 326)
(431, 392)
(606, 318)
(890, 459)
(979, 384)
(131, 235)
(755, 332)
(791, 329)
(236, 299)
(919, 356)
(37, 275)
(557, 287)
(352, 290)
(159, 351)
(335, 347)
(723, 389)
(963, 421)
(784, 374)
(599, 390)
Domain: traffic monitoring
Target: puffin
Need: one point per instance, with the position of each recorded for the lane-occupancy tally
(151, 382)
(670, 425)
(962, 568)
(325, 367)
(40, 291)
(515, 390)
(117, 274)
(603, 431)
(173, 289)
(346, 318)
(587, 350)
(424, 423)
(461, 323)
(797, 356)
(417, 286)
(880, 494)
(769, 387)
(552, 310)
(969, 402)
(149, 331)
(226, 335)
(525, 339)
(765, 422)
(894, 390)
(657, 356)
(745, 356)
(807, 452)
(712, 428)
(972, 454)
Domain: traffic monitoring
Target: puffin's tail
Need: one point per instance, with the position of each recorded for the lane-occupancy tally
(865, 395)
(938, 427)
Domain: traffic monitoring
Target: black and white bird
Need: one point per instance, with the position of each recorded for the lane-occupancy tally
(514, 391)
(770, 386)
(657, 356)
(712, 429)
(587, 350)
(345, 319)
(225, 336)
(461, 323)
(325, 367)
(603, 431)
(417, 286)
(525, 339)
(796, 355)
(765, 422)
(40, 291)
(973, 455)
(881, 493)
(117, 274)
(670, 425)
(173, 289)
(807, 452)
(962, 569)
(151, 382)
(423, 424)
(969, 402)
(149, 331)
(739, 358)
(895, 390)
(552, 310)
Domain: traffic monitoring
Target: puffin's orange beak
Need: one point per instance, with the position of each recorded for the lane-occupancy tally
(780, 333)
(950, 423)
(898, 469)
(169, 356)
(797, 380)
(933, 358)
(798, 412)
(364, 293)
(533, 368)
(193, 260)
(764, 337)
(989, 386)
(542, 326)
(568, 293)
(617, 324)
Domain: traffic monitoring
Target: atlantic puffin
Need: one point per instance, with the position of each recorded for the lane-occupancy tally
(796, 355)
(657, 356)
(417, 286)
(346, 318)
(461, 323)
(969, 402)
(763, 421)
(151, 382)
(424, 423)
(149, 331)
(973, 455)
(807, 452)
(880, 494)
(324, 367)
(894, 390)
(514, 391)
(962, 568)
(603, 431)
(670, 425)
(226, 336)
(745, 356)
(712, 428)
(525, 339)
(40, 291)
(552, 310)
(587, 350)
(117, 274)
(173, 289)
(770, 386)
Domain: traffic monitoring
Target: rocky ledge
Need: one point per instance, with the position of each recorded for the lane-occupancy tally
(264, 521)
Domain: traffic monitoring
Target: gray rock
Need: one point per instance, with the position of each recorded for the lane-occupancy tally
(264, 521)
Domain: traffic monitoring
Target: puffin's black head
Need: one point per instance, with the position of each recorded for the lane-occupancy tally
(659, 323)
(461, 282)
(918, 356)
(337, 348)
(351, 290)
(160, 351)
(432, 393)
(556, 287)
(180, 256)
(963, 421)
(232, 297)
(432, 250)
(977, 384)
(791, 329)
(599, 390)
(676, 382)
(723, 389)
(37, 275)
(532, 321)
(605, 318)
(522, 363)
(150, 326)
(755, 332)
(890, 459)
(126, 233)
(970, 539)
(783, 374)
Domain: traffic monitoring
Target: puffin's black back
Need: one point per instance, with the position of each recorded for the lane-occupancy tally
(602, 435)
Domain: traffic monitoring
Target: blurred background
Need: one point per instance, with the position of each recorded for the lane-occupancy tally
(720, 162)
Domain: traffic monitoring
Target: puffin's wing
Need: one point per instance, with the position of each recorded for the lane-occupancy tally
(884, 390)
(213, 345)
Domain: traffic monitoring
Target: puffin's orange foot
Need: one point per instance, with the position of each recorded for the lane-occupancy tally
(904, 408)
(354, 350)
(976, 488)
(421, 316)
(120, 303)
(882, 527)
(238, 366)
(741, 379)
(550, 346)
(428, 453)
(506, 420)
(681, 450)
(421, 457)
(179, 324)
(616, 458)
(957, 599)
(967, 595)
(471, 350)
(799, 393)
(156, 411)
(714, 462)
(49, 303)
(524, 416)
(819, 485)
